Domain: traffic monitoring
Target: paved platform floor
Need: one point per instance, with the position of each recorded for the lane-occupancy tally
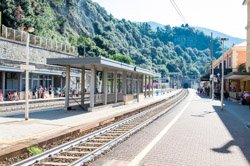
(15, 132)
(195, 133)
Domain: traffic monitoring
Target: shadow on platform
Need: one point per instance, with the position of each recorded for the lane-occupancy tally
(56, 114)
(240, 134)
(204, 114)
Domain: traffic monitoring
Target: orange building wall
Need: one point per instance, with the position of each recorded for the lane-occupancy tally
(241, 56)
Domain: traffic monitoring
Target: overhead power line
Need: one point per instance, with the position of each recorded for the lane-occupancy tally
(177, 9)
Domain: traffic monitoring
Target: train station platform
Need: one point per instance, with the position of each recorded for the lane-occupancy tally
(16, 133)
(196, 132)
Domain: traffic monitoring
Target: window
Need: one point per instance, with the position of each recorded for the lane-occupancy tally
(12, 81)
(230, 62)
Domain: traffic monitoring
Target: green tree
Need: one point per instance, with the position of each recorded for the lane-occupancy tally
(122, 58)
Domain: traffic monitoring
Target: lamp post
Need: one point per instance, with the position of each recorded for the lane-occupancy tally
(212, 69)
(222, 73)
(1, 23)
(27, 79)
(27, 74)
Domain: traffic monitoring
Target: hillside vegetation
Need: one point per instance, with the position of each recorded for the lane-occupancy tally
(86, 24)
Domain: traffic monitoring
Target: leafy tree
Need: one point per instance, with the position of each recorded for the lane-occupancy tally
(122, 58)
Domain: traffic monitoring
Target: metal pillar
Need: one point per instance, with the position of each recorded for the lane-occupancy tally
(142, 83)
(132, 85)
(92, 87)
(105, 83)
(152, 86)
(20, 82)
(61, 82)
(66, 107)
(3, 83)
(124, 82)
(27, 80)
(145, 84)
(52, 82)
(115, 86)
(31, 81)
(149, 86)
(138, 88)
(82, 86)
(160, 82)
(222, 74)
(124, 86)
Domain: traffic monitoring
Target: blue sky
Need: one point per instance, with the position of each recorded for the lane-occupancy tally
(226, 16)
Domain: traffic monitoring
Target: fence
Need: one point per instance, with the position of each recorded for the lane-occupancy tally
(21, 36)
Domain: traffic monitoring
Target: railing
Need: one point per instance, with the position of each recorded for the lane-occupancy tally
(43, 42)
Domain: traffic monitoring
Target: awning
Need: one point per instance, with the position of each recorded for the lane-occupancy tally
(100, 63)
(205, 77)
(237, 76)
(10, 69)
(37, 71)
(56, 73)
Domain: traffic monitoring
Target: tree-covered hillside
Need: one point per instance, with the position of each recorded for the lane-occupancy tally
(87, 25)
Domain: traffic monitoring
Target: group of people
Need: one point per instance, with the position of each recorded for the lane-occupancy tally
(204, 91)
(40, 92)
(217, 92)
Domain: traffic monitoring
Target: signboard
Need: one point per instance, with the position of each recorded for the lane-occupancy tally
(27, 67)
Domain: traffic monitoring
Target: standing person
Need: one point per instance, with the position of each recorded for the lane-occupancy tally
(40, 91)
(43, 92)
(50, 91)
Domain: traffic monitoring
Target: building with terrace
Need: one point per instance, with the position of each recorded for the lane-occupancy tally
(13, 56)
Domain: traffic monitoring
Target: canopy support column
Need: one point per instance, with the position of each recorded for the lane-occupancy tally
(145, 89)
(115, 86)
(160, 81)
(152, 86)
(92, 87)
(105, 90)
(124, 86)
(149, 86)
(82, 86)
(138, 87)
(66, 107)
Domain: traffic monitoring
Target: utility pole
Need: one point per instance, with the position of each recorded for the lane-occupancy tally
(27, 79)
(212, 69)
(222, 73)
(1, 30)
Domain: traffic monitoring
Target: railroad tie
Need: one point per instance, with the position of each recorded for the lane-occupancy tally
(86, 147)
(55, 164)
(77, 152)
(66, 157)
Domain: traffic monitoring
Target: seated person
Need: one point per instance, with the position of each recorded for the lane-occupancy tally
(15, 96)
(9, 96)
(1, 95)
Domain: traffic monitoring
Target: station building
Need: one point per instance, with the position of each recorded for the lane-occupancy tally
(110, 81)
(13, 53)
(237, 78)
(99, 80)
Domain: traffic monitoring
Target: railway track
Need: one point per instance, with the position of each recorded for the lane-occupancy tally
(82, 150)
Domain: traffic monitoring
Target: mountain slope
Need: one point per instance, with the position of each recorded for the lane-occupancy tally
(88, 26)
(232, 40)
(229, 43)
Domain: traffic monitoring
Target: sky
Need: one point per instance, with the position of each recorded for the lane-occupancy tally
(226, 16)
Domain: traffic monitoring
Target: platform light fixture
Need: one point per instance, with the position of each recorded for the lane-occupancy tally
(30, 29)
(222, 72)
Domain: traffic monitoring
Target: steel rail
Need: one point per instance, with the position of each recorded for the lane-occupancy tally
(112, 143)
(62, 148)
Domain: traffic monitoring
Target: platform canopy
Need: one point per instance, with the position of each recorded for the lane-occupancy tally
(237, 76)
(100, 63)
(132, 78)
